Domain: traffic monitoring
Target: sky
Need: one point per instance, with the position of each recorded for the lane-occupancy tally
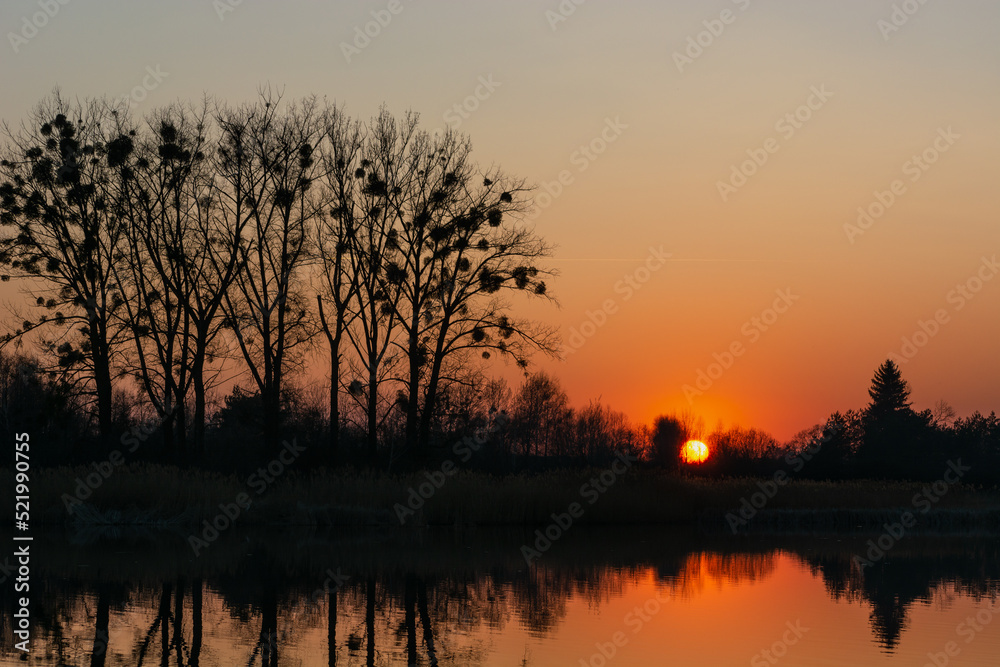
(753, 203)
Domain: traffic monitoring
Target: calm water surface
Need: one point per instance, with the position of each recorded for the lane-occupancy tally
(599, 598)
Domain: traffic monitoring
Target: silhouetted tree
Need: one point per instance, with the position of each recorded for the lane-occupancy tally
(335, 234)
(268, 315)
(599, 432)
(541, 415)
(331, 627)
(188, 230)
(32, 401)
(64, 231)
(434, 245)
(268, 640)
(889, 423)
(836, 446)
(740, 450)
(461, 250)
(156, 184)
(370, 620)
(943, 415)
(156, 246)
(670, 432)
(410, 619)
(889, 392)
(359, 241)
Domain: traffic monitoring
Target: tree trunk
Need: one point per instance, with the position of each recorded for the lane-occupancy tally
(198, 380)
(373, 417)
(196, 624)
(269, 629)
(331, 629)
(370, 620)
(178, 640)
(410, 604)
(100, 650)
(102, 385)
(334, 444)
(430, 400)
(180, 425)
(164, 614)
(425, 620)
(413, 444)
(271, 407)
(334, 340)
(167, 426)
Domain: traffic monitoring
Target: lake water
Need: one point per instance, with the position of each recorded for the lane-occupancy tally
(625, 598)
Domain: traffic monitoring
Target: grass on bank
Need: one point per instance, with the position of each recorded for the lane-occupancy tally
(144, 494)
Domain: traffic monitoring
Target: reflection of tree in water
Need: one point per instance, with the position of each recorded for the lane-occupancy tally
(540, 596)
(377, 619)
(56, 611)
(702, 569)
(906, 575)
(446, 612)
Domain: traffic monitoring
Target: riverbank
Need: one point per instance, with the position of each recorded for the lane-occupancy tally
(164, 496)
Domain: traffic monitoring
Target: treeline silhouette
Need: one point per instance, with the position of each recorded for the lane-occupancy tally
(211, 280)
(167, 257)
(887, 439)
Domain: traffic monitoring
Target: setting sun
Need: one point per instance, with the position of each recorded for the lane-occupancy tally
(695, 451)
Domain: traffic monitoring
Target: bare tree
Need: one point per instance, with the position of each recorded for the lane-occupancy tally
(460, 247)
(150, 192)
(183, 255)
(541, 414)
(364, 178)
(336, 235)
(155, 239)
(942, 414)
(63, 231)
(273, 170)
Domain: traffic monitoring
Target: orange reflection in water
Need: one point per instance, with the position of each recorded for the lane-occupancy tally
(705, 608)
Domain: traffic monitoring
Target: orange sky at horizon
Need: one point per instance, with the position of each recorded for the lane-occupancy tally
(906, 116)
